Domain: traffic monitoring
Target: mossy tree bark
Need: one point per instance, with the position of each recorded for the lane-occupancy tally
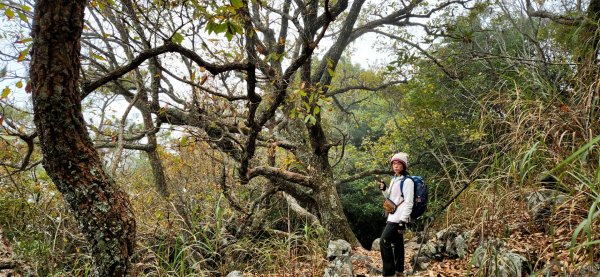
(101, 208)
(329, 204)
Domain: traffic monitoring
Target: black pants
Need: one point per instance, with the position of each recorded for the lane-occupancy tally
(392, 249)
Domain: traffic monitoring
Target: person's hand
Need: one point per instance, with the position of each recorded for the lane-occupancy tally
(381, 185)
(401, 227)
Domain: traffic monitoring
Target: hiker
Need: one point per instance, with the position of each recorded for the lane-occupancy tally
(392, 237)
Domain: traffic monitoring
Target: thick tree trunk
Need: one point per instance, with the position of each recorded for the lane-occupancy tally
(102, 210)
(593, 11)
(329, 205)
(331, 212)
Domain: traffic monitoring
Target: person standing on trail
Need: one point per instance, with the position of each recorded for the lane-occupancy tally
(401, 192)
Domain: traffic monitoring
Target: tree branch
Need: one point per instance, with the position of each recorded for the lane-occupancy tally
(364, 87)
(361, 175)
(143, 147)
(334, 54)
(308, 49)
(232, 201)
(270, 191)
(423, 51)
(147, 54)
(289, 176)
(30, 146)
(557, 18)
(209, 91)
(300, 211)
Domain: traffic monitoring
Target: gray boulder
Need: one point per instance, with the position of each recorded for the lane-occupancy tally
(589, 270)
(375, 245)
(540, 204)
(431, 250)
(338, 248)
(236, 273)
(340, 263)
(448, 243)
(496, 260)
(452, 241)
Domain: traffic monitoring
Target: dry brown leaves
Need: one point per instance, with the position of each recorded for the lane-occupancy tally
(515, 226)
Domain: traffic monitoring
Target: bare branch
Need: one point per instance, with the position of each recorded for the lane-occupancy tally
(269, 172)
(147, 54)
(335, 52)
(268, 192)
(143, 147)
(232, 201)
(207, 90)
(118, 153)
(308, 50)
(344, 138)
(423, 51)
(345, 110)
(364, 87)
(362, 175)
(300, 211)
(557, 18)
(333, 12)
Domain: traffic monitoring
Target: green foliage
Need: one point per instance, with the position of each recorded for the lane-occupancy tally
(36, 223)
(527, 103)
(177, 38)
(5, 93)
(309, 102)
(226, 20)
(362, 206)
(228, 28)
(586, 229)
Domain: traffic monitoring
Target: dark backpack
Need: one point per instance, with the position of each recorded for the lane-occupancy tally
(421, 196)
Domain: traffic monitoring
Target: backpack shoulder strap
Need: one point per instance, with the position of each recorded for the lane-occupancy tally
(402, 184)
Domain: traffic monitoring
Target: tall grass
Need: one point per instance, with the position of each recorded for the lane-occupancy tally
(44, 235)
(540, 133)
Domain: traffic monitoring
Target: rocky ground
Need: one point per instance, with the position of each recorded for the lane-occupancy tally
(513, 261)
(535, 239)
(372, 267)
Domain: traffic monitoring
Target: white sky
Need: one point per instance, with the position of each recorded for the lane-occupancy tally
(365, 52)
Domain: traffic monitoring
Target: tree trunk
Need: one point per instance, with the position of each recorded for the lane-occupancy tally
(102, 209)
(330, 207)
(331, 212)
(589, 36)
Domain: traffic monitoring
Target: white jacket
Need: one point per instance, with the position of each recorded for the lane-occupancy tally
(406, 204)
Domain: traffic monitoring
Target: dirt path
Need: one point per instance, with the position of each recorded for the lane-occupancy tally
(435, 268)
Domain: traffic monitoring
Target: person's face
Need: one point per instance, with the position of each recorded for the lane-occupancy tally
(397, 166)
